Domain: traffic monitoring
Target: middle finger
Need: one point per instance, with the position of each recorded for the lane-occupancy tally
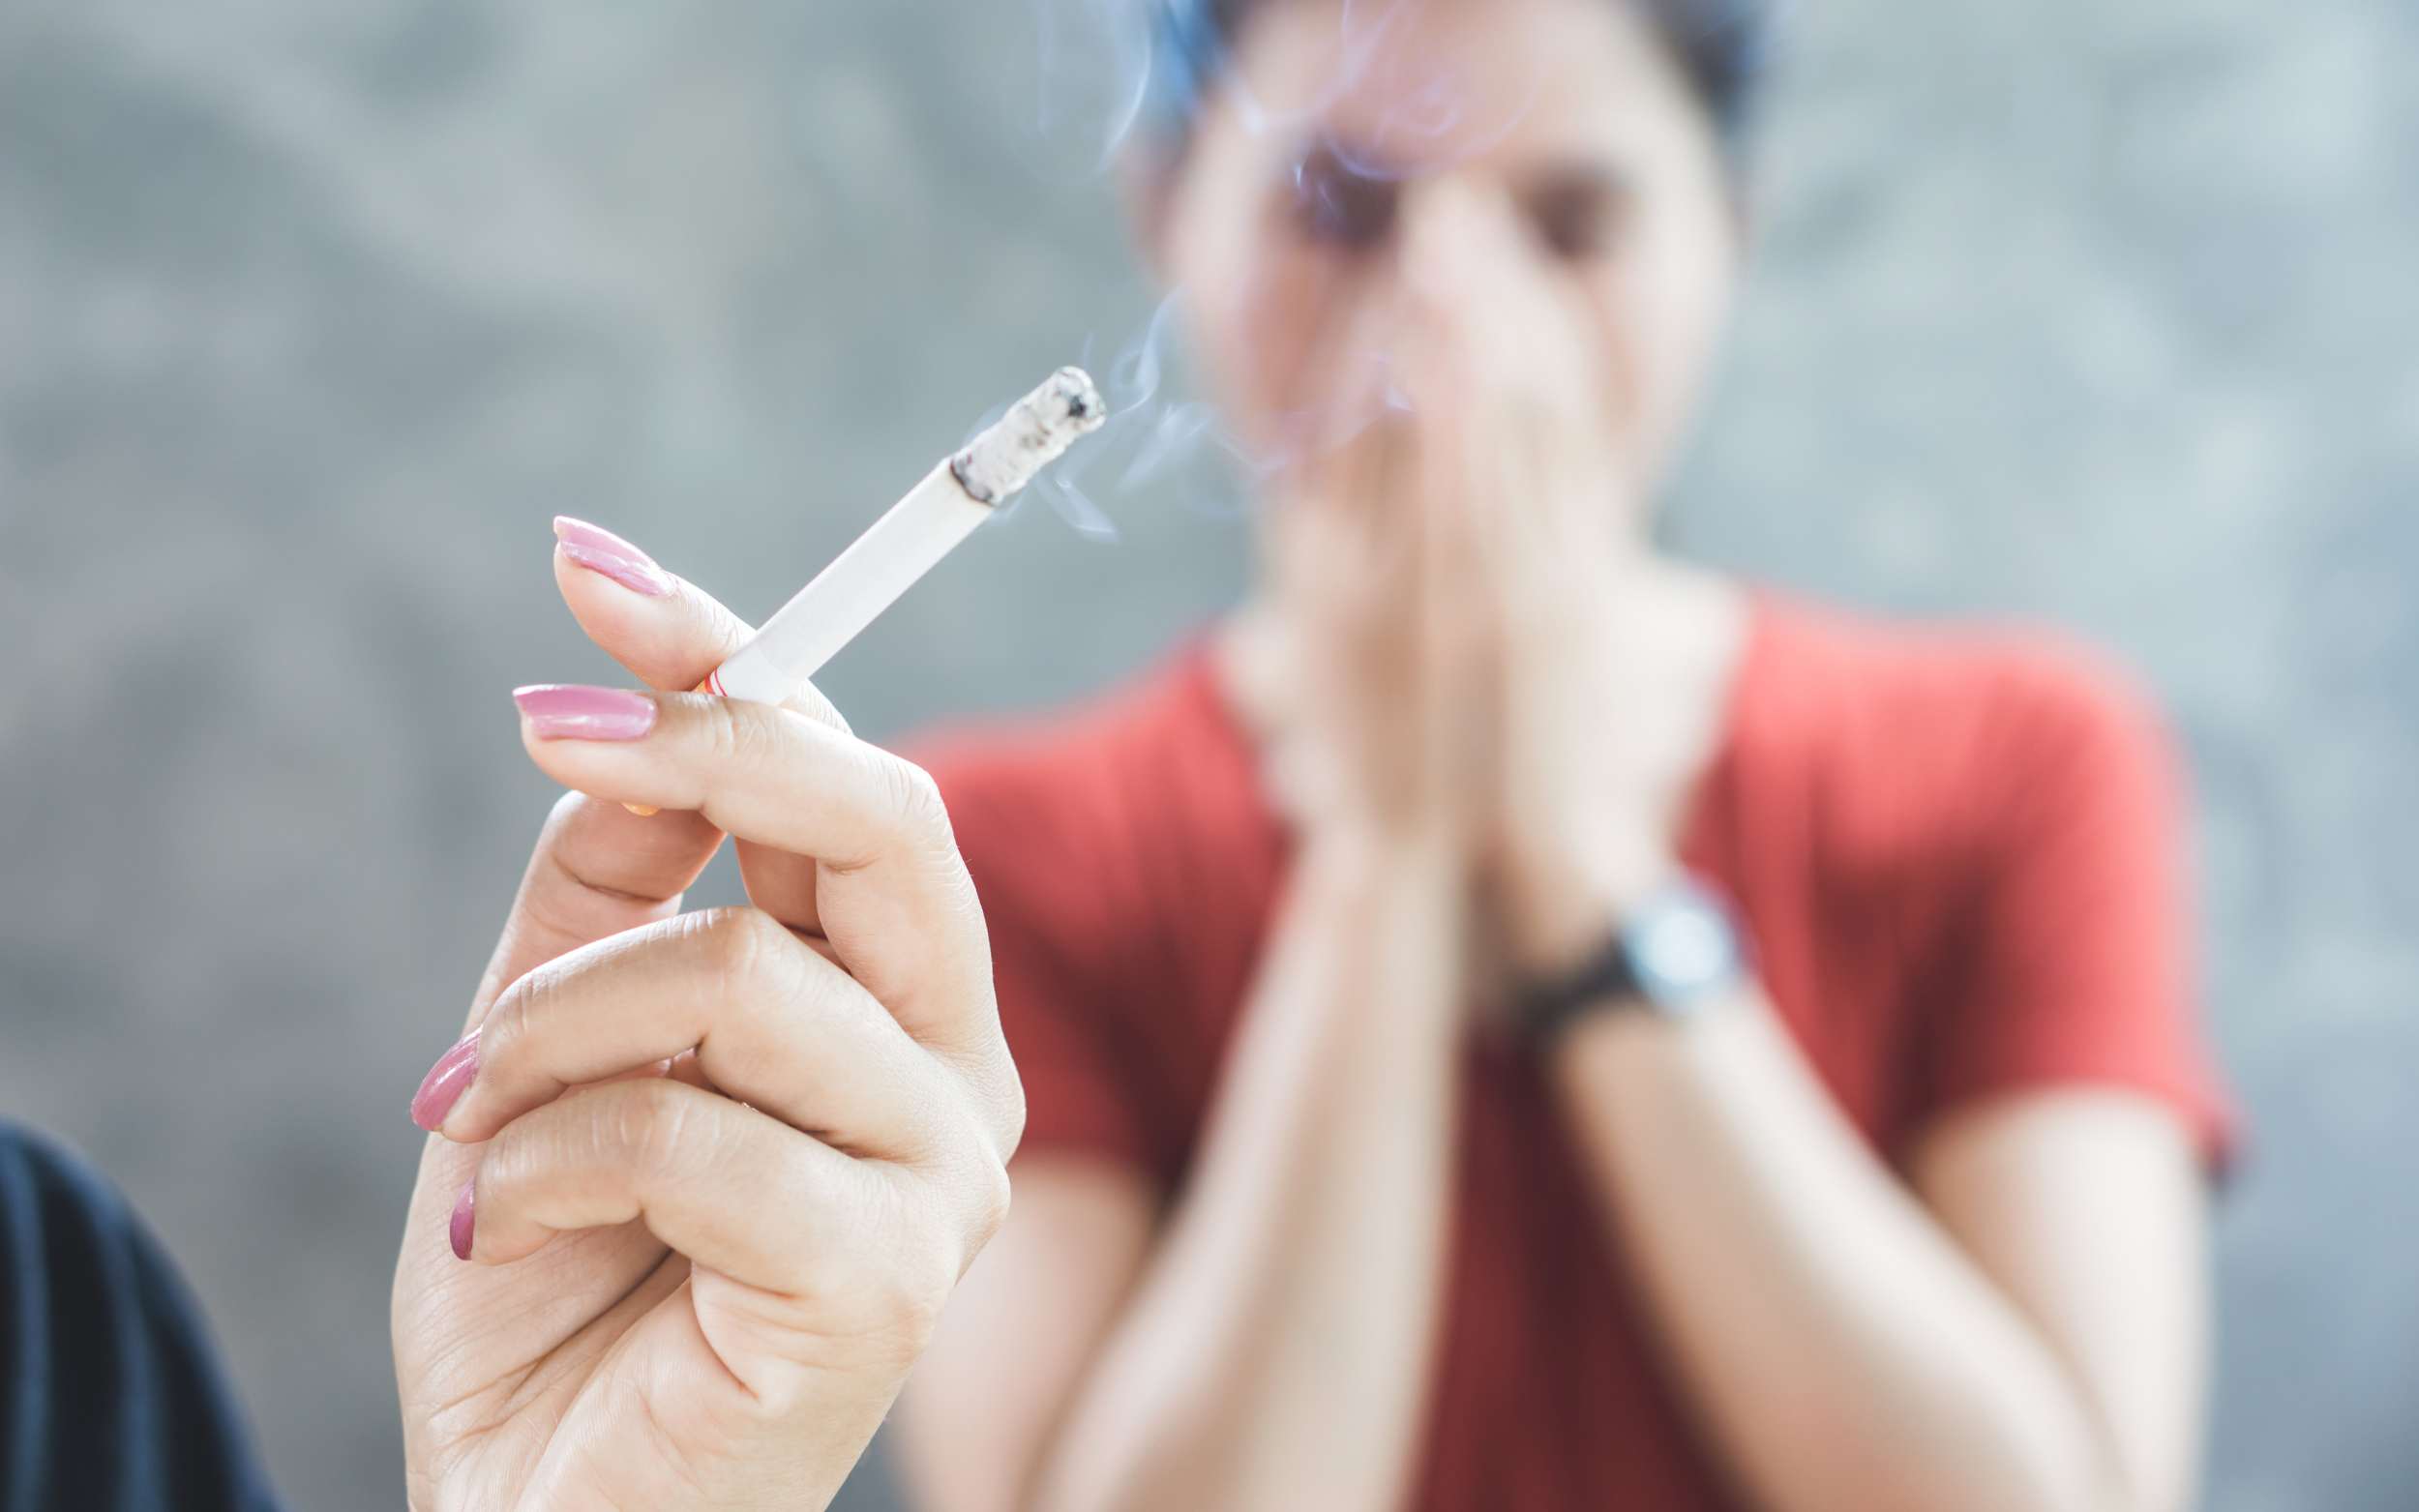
(774, 1023)
(892, 895)
(598, 869)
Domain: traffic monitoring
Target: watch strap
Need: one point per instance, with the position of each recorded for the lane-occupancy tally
(1678, 948)
(1605, 983)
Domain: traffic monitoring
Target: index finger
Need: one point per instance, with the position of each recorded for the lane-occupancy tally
(599, 869)
(894, 898)
(671, 635)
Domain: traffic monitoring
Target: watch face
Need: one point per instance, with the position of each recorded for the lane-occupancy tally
(1681, 947)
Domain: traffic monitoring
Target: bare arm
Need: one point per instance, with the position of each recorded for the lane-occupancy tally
(2026, 1331)
(1275, 1352)
(2030, 1319)
(2090, 1210)
(1022, 1332)
(1268, 1349)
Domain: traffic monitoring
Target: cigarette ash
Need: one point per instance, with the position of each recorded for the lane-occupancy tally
(1034, 432)
(1144, 438)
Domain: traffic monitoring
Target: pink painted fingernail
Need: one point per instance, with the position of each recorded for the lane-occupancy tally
(443, 1088)
(600, 550)
(465, 1219)
(569, 711)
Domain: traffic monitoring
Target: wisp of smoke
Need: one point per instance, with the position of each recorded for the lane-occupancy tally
(1103, 69)
(1149, 437)
(1092, 63)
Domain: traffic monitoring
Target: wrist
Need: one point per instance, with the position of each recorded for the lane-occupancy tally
(1557, 913)
(1677, 953)
(1344, 853)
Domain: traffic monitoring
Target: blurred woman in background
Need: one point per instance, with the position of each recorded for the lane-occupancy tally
(1515, 1020)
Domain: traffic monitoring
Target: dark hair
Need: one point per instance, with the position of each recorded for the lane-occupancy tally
(1719, 45)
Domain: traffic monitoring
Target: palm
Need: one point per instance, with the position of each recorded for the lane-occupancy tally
(545, 1374)
(558, 1380)
(550, 1381)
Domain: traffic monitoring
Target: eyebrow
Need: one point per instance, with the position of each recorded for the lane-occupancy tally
(1594, 170)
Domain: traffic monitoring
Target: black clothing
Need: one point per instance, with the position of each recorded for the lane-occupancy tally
(111, 1399)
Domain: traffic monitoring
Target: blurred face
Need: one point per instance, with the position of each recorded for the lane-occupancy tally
(1374, 170)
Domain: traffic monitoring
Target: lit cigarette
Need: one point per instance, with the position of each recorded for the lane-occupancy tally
(910, 540)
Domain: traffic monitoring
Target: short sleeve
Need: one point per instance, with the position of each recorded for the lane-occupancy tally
(1026, 846)
(2076, 958)
(1127, 868)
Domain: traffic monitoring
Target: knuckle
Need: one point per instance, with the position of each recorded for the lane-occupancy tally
(972, 1192)
(912, 795)
(992, 1094)
(824, 997)
(705, 624)
(654, 1130)
(993, 1195)
(719, 729)
(992, 1100)
(913, 1289)
(567, 808)
(890, 1288)
(907, 1309)
(509, 1023)
(920, 1303)
(746, 947)
(738, 734)
(1010, 1115)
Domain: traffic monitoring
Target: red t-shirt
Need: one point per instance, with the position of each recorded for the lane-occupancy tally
(1958, 854)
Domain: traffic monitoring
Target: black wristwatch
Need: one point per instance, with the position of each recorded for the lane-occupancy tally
(1677, 952)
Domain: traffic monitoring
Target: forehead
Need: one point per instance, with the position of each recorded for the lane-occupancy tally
(1423, 83)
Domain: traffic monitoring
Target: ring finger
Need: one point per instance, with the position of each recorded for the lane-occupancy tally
(773, 1024)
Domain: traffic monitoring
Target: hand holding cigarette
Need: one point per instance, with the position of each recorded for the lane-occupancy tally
(702, 1183)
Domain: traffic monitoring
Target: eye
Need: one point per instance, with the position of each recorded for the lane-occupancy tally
(1582, 213)
(1340, 206)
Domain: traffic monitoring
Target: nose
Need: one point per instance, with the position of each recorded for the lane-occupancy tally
(1457, 235)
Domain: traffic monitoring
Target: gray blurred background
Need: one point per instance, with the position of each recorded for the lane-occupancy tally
(311, 315)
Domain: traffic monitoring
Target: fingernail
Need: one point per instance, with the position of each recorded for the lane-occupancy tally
(458, 1230)
(569, 711)
(443, 1088)
(600, 550)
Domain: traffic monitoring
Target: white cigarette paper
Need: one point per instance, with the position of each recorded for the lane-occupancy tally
(910, 540)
